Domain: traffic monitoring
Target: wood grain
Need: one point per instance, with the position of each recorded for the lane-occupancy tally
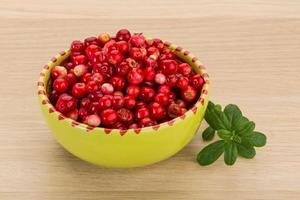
(252, 50)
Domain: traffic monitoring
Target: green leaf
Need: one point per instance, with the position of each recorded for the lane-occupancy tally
(208, 134)
(233, 114)
(225, 134)
(244, 126)
(246, 151)
(216, 118)
(218, 107)
(256, 139)
(230, 153)
(210, 153)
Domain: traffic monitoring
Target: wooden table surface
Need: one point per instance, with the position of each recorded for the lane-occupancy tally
(252, 50)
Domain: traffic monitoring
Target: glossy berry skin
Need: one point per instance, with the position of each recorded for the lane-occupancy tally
(71, 79)
(181, 103)
(95, 96)
(77, 46)
(134, 126)
(122, 46)
(118, 102)
(73, 114)
(60, 85)
(93, 108)
(135, 76)
(123, 68)
(58, 72)
(90, 40)
(149, 73)
(114, 57)
(107, 88)
(118, 93)
(184, 69)
(142, 113)
(66, 103)
(164, 89)
(133, 91)
(97, 57)
(125, 116)
(153, 52)
(140, 104)
(80, 59)
(97, 77)
(137, 40)
(91, 49)
(167, 55)
(157, 111)
(82, 113)
(109, 46)
(92, 86)
(145, 122)
(118, 82)
(119, 125)
(149, 62)
(92, 120)
(158, 43)
(160, 78)
(80, 70)
(129, 102)
(197, 81)
(105, 102)
(174, 110)
(109, 117)
(86, 77)
(169, 67)
(137, 53)
(189, 94)
(182, 82)
(123, 34)
(104, 68)
(85, 102)
(172, 81)
(103, 38)
(53, 97)
(162, 98)
(147, 94)
(79, 90)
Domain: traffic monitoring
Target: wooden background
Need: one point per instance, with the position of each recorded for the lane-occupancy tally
(251, 48)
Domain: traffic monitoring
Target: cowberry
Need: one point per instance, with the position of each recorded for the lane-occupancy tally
(66, 103)
(79, 90)
(160, 78)
(58, 72)
(123, 34)
(118, 82)
(135, 76)
(184, 69)
(162, 98)
(169, 67)
(147, 122)
(147, 94)
(182, 82)
(94, 107)
(137, 40)
(123, 47)
(107, 88)
(125, 116)
(80, 70)
(197, 81)
(164, 89)
(77, 46)
(90, 41)
(129, 102)
(114, 57)
(97, 77)
(142, 113)
(92, 120)
(137, 53)
(91, 49)
(73, 114)
(105, 102)
(109, 117)
(133, 91)
(189, 94)
(60, 85)
(118, 102)
(157, 111)
(71, 78)
(80, 59)
(140, 104)
(85, 102)
(92, 86)
(103, 38)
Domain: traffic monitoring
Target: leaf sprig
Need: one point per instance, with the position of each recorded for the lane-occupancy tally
(236, 133)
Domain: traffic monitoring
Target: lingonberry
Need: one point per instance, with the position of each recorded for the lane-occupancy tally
(181, 103)
(109, 46)
(80, 59)
(164, 89)
(134, 126)
(171, 80)
(60, 85)
(160, 78)
(197, 81)
(91, 49)
(123, 68)
(119, 125)
(95, 96)
(69, 65)
(133, 91)
(172, 96)
(118, 93)
(107, 88)
(137, 53)
(58, 72)
(166, 54)
(123, 34)
(118, 102)
(162, 98)
(90, 40)
(182, 82)
(97, 57)
(189, 94)
(80, 70)
(103, 38)
(123, 46)
(114, 57)
(109, 117)
(149, 62)
(153, 53)
(157, 111)
(82, 113)
(92, 86)
(94, 107)
(147, 94)
(71, 78)
(97, 77)
(66, 103)
(142, 113)
(77, 46)
(104, 68)
(125, 116)
(149, 73)
(53, 97)
(73, 114)
(174, 110)
(105, 102)
(184, 69)
(158, 44)
(85, 102)
(129, 102)
(135, 76)
(92, 120)
(169, 67)
(137, 40)
(147, 122)
(86, 77)
(79, 90)
(118, 82)
(140, 104)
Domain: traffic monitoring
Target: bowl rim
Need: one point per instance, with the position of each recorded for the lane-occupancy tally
(179, 52)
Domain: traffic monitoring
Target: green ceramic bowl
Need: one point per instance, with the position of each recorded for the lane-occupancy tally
(123, 149)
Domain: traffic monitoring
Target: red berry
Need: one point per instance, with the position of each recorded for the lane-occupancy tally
(60, 85)
(105, 102)
(94, 107)
(97, 77)
(97, 57)
(134, 126)
(119, 125)
(123, 34)
(147, 94)
(140, 104)
(142, 113)
(158, 44)
(71, 79)
(123, 46)
(135, 76)
(58, 72)
(157, 111)
(80, 70)
(169, 67)
(153, 53)
(90, 41)
(85, 102)
(79, 90)
(172, 80)
(125, 116)
(54, 95)
(114, 57)
(103, 68)
(166, 55)
(103, 38)
(95, 96)
(162, 98)
(109, 117)
(182, 82)
(174, 110)
(118, 82)
(80, 59)
(197, 81)
(184, 69)
(160, 78)
(189, 94)
(172, 96)
(86, 77)
(129, 102)
(77, 46)
(66, 103)
(164, 89)
(137, 40)
(133, 91)
(118, 102)
(91, 49)
(147, 122)
(118, 93)
(92, 120)
(181, 103)
(149, 73)
(92, 86)
(138, 53)
(82, 113)
(107, 88)
(73, 114)
(69, 65)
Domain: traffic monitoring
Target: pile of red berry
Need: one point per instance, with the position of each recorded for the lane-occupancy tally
(123, 82)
